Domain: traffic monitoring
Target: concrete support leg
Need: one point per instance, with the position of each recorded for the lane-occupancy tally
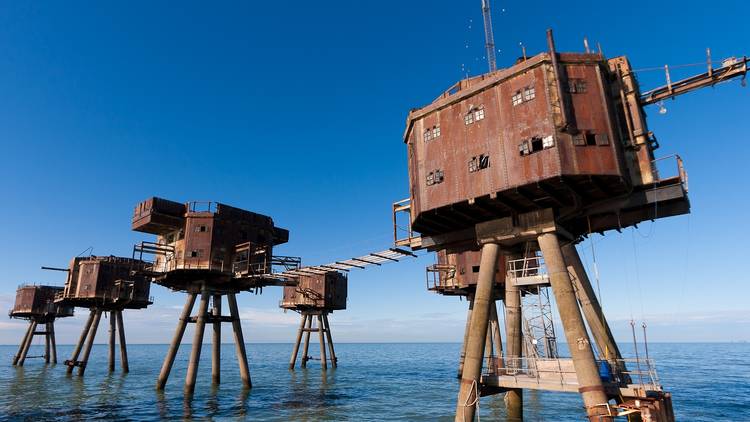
(81, 340)
(195, 354)
(305, 350)
(112, 344)
(89, 343)
(514, 349)
(334, 361)
(470, 299)
(300, 331)
(27, 344)
(468, 394)
(216, 352)
(23, 344)
(123, 346)
(497, 340)
(166, 367)
(591, 387)
(53, 342)
(46, 343)
(590, 306)
(239, 340)
(321, 334)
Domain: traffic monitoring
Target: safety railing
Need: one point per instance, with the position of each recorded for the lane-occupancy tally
(562, 371)
(441, 276)
(202, 206)
(670, 167)
(528, 271)
(402, 232)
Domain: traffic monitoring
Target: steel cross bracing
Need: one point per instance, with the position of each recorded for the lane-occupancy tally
(374, 258)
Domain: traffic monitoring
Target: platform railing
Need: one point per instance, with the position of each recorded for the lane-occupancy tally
(561, 371)
(665, 171)
(402, 233)
(441, 276)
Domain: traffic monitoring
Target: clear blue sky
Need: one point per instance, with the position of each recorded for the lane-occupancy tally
(297, 111)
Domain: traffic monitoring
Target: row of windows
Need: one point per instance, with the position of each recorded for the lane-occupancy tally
(588, 139)
(577, 86)
(523, 95)
(474, 115)
(535, 144)
(435, 177)
(431, 133)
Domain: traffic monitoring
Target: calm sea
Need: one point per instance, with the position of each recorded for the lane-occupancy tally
(413, 382)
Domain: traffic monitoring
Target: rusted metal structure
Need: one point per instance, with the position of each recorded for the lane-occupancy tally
(36, 304)
(524, 162)
(106, 285)
(315, 296)
(212, 250)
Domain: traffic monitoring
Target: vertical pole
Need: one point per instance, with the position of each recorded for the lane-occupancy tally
(308, 329)
(468, 394)
(591, 388)
(77, 351)
(89, 342)
(240, 341)
(112, 332)
(166, 367)
(23, 343)
(514, 343)
(496, 336)
(488, 352)
(470, 299)
(592, 310)
(334, 361)
(323, 360)
(46, 343)
(53, 343)
(195, 354)
(27, 344)
(295, 351)
(123, 346)
(216, 352)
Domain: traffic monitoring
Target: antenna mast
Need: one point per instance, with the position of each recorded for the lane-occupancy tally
(489, 37)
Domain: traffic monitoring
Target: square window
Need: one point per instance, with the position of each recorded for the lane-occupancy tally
(523, 148)
(579, 140)
(590, 138)
(479, 114)
(194, 254)
(548, 142)
(469, 118)
(602, 139)
(529, 93)
(427, 135)
(517, 98)
(436, 131)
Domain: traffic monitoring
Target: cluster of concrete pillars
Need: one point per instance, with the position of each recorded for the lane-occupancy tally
(571, 288)
(201, 319)
(323, 328)
(86, 342)
(50, 347)
(493, 347)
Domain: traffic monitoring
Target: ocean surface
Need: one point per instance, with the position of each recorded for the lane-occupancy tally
(411, 382)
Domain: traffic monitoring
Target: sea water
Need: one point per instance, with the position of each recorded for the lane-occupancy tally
(374, 382)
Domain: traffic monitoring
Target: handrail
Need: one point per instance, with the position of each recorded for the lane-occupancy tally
(681, 172)
(401, 207)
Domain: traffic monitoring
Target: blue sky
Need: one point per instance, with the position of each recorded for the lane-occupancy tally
(297, 111)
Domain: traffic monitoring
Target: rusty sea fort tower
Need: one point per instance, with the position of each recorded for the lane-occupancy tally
(508, 171)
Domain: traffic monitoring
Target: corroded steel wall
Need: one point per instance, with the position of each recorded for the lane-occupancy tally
(323, 292)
